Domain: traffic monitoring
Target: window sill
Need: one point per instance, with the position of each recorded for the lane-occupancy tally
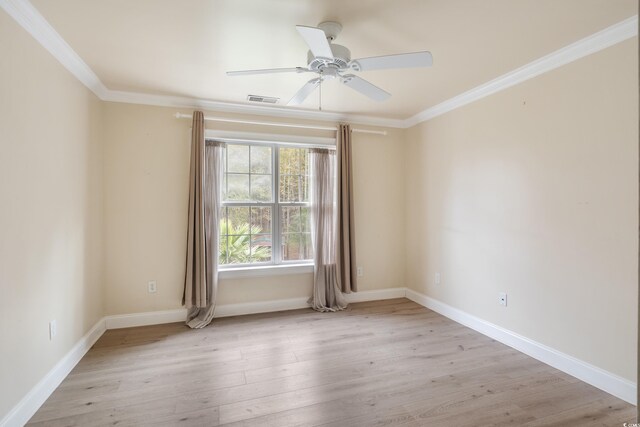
(265, 270)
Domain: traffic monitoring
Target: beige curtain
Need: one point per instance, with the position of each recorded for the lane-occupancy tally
(201, 278)
(346, 220)
(327, 295)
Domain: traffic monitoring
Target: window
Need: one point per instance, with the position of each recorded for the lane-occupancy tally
(265, 206)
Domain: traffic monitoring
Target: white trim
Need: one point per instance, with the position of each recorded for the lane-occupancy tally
(225, 310)
(240, 309)
(23, 12)
(117, 321)
(258, 123)
(279, 124)
(586, 46)
(258, 137)
(375, 295)
(265, 270)
(31, 402)
(597, 377)
(34, 23)
(259, 110)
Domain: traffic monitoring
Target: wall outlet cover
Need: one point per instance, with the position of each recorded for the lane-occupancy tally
(53, 329)
(502, 298)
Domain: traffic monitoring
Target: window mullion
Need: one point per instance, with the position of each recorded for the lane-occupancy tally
(275, 224)
(249, 173)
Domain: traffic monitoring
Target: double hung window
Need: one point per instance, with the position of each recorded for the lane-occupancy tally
(265, 206)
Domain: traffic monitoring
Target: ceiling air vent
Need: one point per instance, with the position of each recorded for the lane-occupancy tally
(263, 99)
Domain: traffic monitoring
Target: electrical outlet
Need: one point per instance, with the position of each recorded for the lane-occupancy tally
(151, 286)
(437, 278)
(360, 272)
(53, 330)
(502, 298)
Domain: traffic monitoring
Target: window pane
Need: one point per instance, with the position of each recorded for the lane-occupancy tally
(261, 248)
(238, 249)
(261, 188)
(260, 220)
(289, 161)
(305, 219)
(238, 187)
(223, 221)
(237, 158)
(238, 220)
(288, 188)
(290, 219)
(304, 162)
(293, 168)
(308, 247)
(296, 246)
(222, 258)
(260, 159)
(291, 246)
(304, 188)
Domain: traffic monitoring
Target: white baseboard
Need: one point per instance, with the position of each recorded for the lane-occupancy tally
(118, 321)
(226, 310)
(24, 410)
(376, 295)
(597, 377)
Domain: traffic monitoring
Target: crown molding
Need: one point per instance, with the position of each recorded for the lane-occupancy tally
(260, 110)
(27, 16)
(586, 46)
(23, 12)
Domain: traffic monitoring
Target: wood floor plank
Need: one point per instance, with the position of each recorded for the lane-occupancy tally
(377, 363)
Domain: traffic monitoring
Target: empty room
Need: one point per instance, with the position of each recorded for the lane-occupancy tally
(329, 212)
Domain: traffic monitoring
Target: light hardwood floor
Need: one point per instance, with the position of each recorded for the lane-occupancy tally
(378, 363)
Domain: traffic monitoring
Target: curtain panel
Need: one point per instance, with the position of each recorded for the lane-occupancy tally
(205, 178)
(327, 295)
(346, 218)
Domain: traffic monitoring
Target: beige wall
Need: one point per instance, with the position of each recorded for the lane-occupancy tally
(50, 214)
(146, 183)
(534, 191)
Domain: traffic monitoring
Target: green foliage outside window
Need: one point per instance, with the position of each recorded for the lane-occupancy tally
(235, 244)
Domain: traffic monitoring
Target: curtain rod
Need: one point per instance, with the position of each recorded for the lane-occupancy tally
(285, 125)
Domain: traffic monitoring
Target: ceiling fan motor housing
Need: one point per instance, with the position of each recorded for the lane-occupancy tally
(341, 58)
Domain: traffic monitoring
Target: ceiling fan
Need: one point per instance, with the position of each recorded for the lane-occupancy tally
(331, 61)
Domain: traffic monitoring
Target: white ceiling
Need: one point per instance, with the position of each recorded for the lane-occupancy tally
(183, 48)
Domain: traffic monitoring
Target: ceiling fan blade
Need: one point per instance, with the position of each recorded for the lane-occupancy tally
(317, 41)
(365, 88)
(304, 92)
(403, 60)
(268, 71)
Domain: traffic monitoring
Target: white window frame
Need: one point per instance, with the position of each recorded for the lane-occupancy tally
(275, 204)
(228, 271)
